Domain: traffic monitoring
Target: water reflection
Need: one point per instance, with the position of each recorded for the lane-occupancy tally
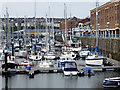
(57, 80)
(6, 82)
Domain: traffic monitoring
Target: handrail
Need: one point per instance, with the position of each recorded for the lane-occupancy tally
(94, 35)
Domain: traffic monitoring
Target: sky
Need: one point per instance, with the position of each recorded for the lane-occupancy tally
(22, 8)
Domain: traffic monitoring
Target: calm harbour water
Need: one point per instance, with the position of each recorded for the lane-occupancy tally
(58, 80)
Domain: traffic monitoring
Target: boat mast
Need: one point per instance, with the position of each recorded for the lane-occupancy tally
(0, 22)
(65, 22)
(70, 23)
(35, 20)
(7, 28)
(25, 30)
(53, 28)
(96, 23)
(49, 28)
(18, 28)
(46, 32)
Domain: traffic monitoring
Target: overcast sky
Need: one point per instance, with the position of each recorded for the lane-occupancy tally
(23, 8)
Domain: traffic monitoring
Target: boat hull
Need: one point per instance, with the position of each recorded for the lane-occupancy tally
(50, 57)
(94, 62)
(68, 73)
(110, 84)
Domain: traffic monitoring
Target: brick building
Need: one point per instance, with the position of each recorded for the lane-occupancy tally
(71, 23)
(108, 18)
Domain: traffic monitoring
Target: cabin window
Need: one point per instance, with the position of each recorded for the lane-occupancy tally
(70, 65)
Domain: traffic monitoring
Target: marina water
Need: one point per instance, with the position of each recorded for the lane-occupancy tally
(58, 80)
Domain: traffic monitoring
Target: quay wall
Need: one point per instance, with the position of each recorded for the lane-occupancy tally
(111, 47)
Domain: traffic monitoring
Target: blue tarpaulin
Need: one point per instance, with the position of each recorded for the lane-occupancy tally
(85, 70)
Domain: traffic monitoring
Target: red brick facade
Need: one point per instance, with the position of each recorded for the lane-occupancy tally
(70, 23)
(109, 12)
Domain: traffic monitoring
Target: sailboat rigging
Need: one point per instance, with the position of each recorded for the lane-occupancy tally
(95, 59)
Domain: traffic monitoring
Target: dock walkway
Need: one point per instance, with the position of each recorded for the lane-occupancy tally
(115, 66)
(81, 64)
(43, 69)
(114, 62)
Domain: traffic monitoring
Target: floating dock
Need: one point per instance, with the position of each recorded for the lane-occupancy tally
(36, 69)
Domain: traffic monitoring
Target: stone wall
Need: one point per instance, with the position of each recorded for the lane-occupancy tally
(110, 46)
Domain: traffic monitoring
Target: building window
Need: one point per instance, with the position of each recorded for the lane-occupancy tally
(110, 19)
(108, 13)
(105, 13)
(110, 9)
(118, 13)
(103, 20)
(115, 15)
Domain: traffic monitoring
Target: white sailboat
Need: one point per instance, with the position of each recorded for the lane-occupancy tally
(50, 53)
(68, 65)
(46, 63)
(10, 59)
(95, 59)
(84, 53)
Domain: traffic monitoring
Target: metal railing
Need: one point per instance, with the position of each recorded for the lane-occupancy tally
(112, 36)
(101, 35)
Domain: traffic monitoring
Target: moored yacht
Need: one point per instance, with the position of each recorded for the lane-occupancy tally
(35, 57)
(70, 68)
(50, 56)
(111, 82)
(46, 64)
(84, 53)
(94, 60)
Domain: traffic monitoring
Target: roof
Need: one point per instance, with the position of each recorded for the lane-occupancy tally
(106, 4)
(84, 20)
